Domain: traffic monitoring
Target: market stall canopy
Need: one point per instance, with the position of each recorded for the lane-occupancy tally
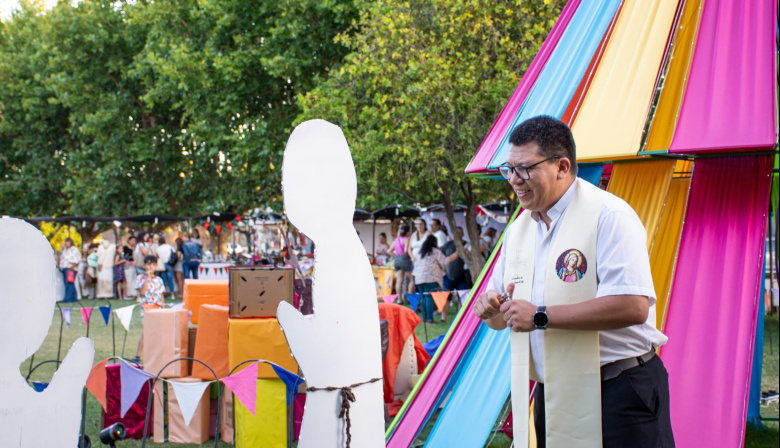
(395, 211)
(218, 217)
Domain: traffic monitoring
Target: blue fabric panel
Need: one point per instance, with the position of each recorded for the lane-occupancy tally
(560, 77)
(479, 394)
(754, 400)
(591, 173)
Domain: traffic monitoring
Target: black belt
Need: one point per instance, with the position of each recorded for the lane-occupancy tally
(614, 369)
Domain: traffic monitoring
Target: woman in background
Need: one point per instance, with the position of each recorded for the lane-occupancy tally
(402, 263)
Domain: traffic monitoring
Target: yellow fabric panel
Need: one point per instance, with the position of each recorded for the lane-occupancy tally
(664, 254)
(612, 117)
(644, 186)
(683, 168)
(259, 339)
(268, 427)
(665, 118)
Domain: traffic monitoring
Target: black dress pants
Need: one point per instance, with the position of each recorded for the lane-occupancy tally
(634, 409)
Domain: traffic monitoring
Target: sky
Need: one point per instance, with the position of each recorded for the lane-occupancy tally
(6, 6)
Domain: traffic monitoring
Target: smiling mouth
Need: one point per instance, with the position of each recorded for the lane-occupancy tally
(521, 193)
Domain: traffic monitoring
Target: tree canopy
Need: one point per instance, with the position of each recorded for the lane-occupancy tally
(423, 83)
(180, 107)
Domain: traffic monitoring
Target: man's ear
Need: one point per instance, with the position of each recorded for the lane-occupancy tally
(564, 166)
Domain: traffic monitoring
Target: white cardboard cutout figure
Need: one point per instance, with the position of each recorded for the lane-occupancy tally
(27, 294)
(339, 345)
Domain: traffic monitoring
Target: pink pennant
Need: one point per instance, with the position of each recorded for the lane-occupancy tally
(85, 313)
(244, 385)
(390, 298)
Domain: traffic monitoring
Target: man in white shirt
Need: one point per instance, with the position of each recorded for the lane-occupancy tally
(541, 169)
(69, 261)
(441, 237)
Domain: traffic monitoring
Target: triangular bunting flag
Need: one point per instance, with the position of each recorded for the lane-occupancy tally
(96, 382)
(105, 311)
(390, 298)
(414, 300)
(85, 314)
(201, 269)
(291, 380)
(440, 298)
(39, 386)
(244, 385)
(188, 395)
(133, 381)
(125, 315)
(66, 316)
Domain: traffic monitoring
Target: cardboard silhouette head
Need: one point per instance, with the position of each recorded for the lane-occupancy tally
(27, 290)
(320, 186)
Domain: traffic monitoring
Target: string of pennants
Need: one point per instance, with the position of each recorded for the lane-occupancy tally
(124, 314)
(218, 227)
(243, 384)
(217, 270)
(439, 298)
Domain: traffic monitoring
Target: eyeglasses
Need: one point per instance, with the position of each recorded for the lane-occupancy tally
(523, 172)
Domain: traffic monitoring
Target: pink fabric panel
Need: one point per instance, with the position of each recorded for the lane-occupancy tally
(415, 414)
(714, 300)
(729, 103)
(491, 142)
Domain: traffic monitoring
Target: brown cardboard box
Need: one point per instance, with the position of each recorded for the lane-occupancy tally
(165, 339)
(256, 292)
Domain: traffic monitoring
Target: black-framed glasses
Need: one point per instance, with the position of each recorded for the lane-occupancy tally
(523, 172)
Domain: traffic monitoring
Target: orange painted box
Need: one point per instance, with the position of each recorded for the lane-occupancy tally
(204, 292)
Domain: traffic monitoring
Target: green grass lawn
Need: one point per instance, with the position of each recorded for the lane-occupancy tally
(101, 334)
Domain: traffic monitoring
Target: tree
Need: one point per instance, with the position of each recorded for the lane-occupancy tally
(132, 107)
(421, 88)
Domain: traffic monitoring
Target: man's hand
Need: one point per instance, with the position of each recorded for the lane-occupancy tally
(487, 305)
(518, 313)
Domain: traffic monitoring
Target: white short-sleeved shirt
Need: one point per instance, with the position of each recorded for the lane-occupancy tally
(441, 238)
(623, 268)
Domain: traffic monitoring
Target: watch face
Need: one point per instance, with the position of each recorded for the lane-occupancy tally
(540, 319)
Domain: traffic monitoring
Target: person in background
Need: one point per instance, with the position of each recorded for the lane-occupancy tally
(195, 238)
(417, 239)
(150, 293)
(192, 256)
(402, 263)
(382, 250)
(69, 261)
(178, 270)
(119, 272)
(428, 274)
(142, 250)
(164, 253)
(90, 275)
(487, 241)
(455, 278)
(438, 232)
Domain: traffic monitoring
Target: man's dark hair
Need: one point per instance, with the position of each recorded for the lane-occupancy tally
(436, 220)
(552, 135)
(150, 259)
(131, 237)
(161, 240)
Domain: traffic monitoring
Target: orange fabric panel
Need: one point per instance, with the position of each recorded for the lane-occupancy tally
(211, 343)
(165, 339)
(259, 339)
(663, 256)
(401, 322)
(204, 292)
(644, 186)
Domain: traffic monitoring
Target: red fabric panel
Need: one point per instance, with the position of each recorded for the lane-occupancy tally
(134, 419)
(401, 322)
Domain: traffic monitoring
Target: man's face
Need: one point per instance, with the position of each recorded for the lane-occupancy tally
(435, 226)
(541, 191)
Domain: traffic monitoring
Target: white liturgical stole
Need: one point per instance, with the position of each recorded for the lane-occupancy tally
(572, 385)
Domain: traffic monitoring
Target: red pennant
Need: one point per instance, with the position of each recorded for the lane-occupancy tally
(229, 225)
(206, 225)
(217, 229)
(238, 218)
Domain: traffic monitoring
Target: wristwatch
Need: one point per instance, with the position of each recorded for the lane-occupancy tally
(540, 318)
